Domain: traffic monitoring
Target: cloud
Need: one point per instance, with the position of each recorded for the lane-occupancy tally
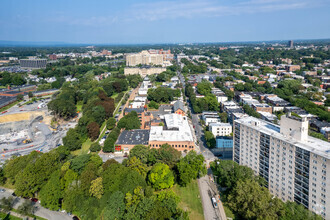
(185, 9)
(209, 8)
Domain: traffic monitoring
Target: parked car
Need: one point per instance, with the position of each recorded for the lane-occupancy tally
(2, 190)
(34, 199)
(214, 202)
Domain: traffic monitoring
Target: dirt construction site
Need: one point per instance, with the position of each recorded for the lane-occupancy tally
(24, 130)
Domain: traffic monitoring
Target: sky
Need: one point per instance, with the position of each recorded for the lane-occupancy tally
(168, 21)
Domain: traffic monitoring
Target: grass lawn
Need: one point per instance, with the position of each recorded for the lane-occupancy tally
(114, 95)
(5, 216)
(190, 200)
(84, 149)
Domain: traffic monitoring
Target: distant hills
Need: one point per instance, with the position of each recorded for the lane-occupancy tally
(6, 43)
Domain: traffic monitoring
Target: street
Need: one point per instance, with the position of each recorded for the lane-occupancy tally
(207, 188)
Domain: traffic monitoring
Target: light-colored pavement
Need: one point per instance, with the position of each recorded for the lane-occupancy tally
(207, 188)
(206, 194)
(40, 211)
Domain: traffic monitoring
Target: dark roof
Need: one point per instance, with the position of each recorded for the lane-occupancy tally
(319, 124)
(133, 137)
(137, 110)
(178, 105)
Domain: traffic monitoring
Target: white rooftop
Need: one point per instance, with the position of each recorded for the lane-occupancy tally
(313, 145)
(177, 129)
(220, 124)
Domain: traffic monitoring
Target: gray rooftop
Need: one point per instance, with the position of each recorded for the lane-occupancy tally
(178, 105)
(133, 137)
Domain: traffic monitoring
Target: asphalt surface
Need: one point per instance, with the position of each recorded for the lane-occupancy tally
(207, 188)
(40, 211)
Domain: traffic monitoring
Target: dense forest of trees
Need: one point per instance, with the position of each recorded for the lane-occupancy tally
(139, 188)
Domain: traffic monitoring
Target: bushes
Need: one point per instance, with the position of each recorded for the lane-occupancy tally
(95, 147)
(111, 123)
(111, 140)
(153, 104)
(129, 121)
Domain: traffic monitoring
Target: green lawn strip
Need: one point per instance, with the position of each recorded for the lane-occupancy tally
(84, 148)
(33, 216)
(102, 134)
(190, 200)
(79, 107)
(6, 216)
(9, 106)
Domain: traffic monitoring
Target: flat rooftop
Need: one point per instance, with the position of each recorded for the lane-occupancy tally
(177, 129)
(133, 137)
(313, 145)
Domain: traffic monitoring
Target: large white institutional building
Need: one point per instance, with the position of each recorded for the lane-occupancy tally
(295, 165)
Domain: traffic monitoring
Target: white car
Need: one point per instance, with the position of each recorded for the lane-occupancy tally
(214, 202)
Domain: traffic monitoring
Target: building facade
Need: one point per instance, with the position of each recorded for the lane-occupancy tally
(295, 165)
(33, 63)
(220, 129)
(144, 58)
(143, 71)
(224, 148)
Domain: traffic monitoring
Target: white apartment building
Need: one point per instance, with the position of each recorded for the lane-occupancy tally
(295, 165)
(210, 117)
(220, 129)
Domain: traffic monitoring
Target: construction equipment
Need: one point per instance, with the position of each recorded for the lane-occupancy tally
(27, 141)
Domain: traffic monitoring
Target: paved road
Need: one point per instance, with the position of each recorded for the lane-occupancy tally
(207, 188)
(41, 211)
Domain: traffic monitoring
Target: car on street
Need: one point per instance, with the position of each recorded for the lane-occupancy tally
(214, 202)
(2, 190)
(34, 199)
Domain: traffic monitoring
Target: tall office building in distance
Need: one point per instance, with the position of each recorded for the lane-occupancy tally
(290, 43)
(295, 165)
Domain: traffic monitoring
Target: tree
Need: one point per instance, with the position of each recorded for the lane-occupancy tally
(109, 143)
(111, 123)
(191, 167)
(78, 163)
(292, 210)
(72, 140)
(7, 204)
(168, 155)
(153, 105)
(129, 121)
(135, 164)
(93, 129)
(161, 177)
(210, 140)
(96, 189)
(250, 201)
(51, 193)
(95, 147)
(204, 87)
(20, 97)
(26, 208)
(116, 207)
(140, 152)
(229, 173)
(30, 94)
(223, 117)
